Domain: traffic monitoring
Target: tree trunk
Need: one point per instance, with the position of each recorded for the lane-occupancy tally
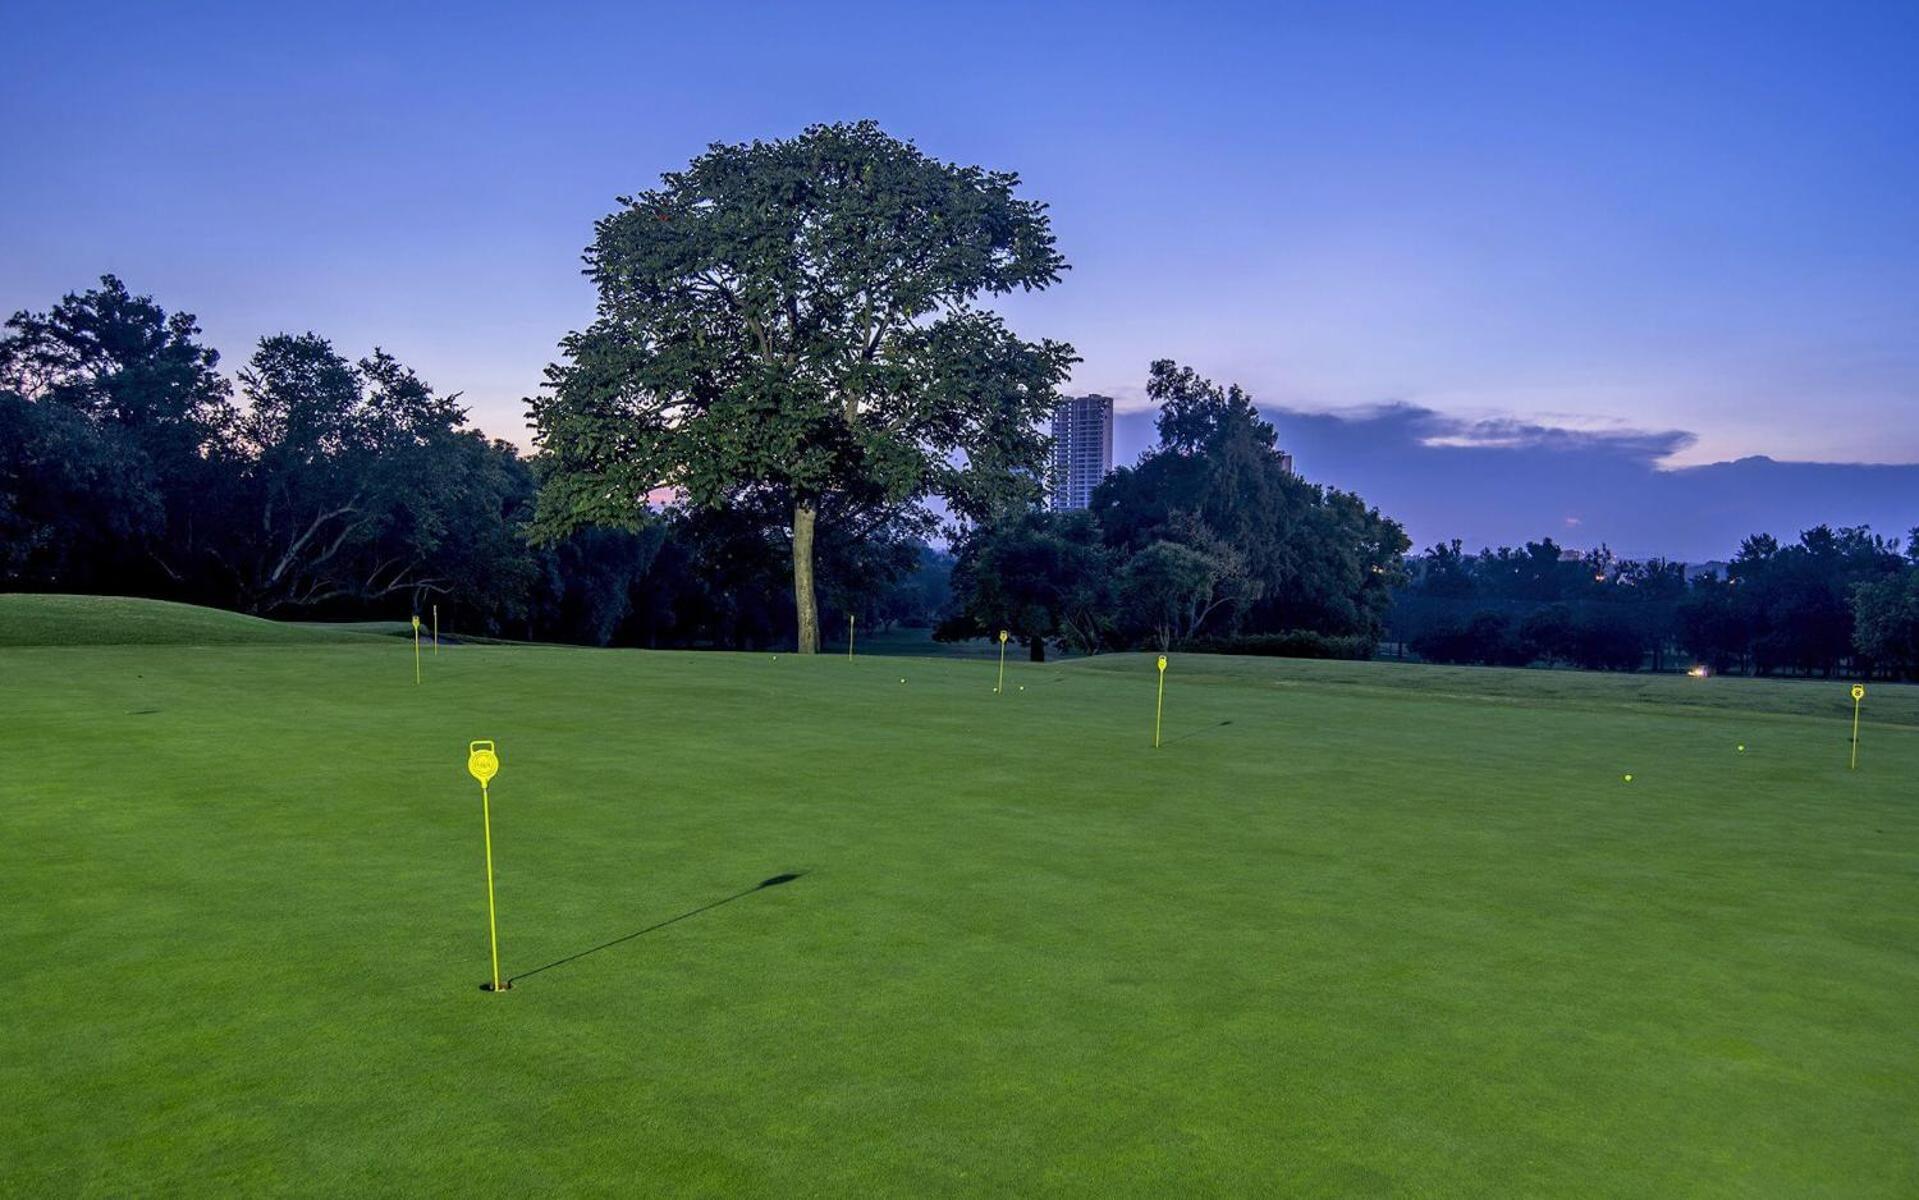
(1037, 648)
(805, 603)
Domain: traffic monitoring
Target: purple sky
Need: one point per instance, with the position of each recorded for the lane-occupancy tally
(1503, 483)
(1603, 225)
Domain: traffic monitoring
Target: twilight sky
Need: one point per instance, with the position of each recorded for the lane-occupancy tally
(1660, 235)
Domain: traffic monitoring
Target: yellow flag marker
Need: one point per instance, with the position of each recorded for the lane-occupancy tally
(1001, 685)
(849, 635)
(416, 648)
(436, 629)
(1159, 705)
(1858, 694)
(483, 764)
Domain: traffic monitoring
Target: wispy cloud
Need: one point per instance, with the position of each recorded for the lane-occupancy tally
(1577, 436)
(1499, 480)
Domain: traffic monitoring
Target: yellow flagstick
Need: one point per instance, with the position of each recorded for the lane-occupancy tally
(1001, 685)
(483, 764)
(1159, 705)
(416, 648)
(849, 635)
(436, 629)
(1858, 694)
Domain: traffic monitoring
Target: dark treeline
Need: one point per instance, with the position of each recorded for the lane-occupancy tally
(320, 486)
(1210, 542)
(334, 488)
(1842, 600)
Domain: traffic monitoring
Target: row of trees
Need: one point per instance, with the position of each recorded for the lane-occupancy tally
(1835, 600)
(126, 465)
(323, 486)
(1210, 538)
(789, 366)
(788, 357)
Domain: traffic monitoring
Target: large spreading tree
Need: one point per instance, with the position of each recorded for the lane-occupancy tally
(794, 323)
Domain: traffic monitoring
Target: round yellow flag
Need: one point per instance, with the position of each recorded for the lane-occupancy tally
(481, 762)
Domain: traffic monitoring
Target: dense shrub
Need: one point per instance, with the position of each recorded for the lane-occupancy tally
(1486, 639)
(1608, 644)
(1292, 643)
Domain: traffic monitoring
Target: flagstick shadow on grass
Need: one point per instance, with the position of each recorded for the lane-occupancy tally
(761, 886)
(1196, 732)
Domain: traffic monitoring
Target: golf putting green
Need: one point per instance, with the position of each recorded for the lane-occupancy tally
(794, 926)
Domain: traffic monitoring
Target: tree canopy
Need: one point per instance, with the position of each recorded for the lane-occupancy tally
(1833, 599)
(792, 322)
(1210, 536)
(1303, 556)
(154, 406)
(1042, 577)
(359, 480)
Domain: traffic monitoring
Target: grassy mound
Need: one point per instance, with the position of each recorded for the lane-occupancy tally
(36, 620)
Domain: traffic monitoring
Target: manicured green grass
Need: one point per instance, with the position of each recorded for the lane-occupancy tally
(1353, 930)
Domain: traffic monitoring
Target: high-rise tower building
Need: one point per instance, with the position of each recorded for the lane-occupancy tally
(1082, 449)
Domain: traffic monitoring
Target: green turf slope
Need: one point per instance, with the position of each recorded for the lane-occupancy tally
(42, 620)
(1351, 931)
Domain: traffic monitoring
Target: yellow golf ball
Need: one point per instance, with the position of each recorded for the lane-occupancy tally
(1742, 749)
(1628, 778)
